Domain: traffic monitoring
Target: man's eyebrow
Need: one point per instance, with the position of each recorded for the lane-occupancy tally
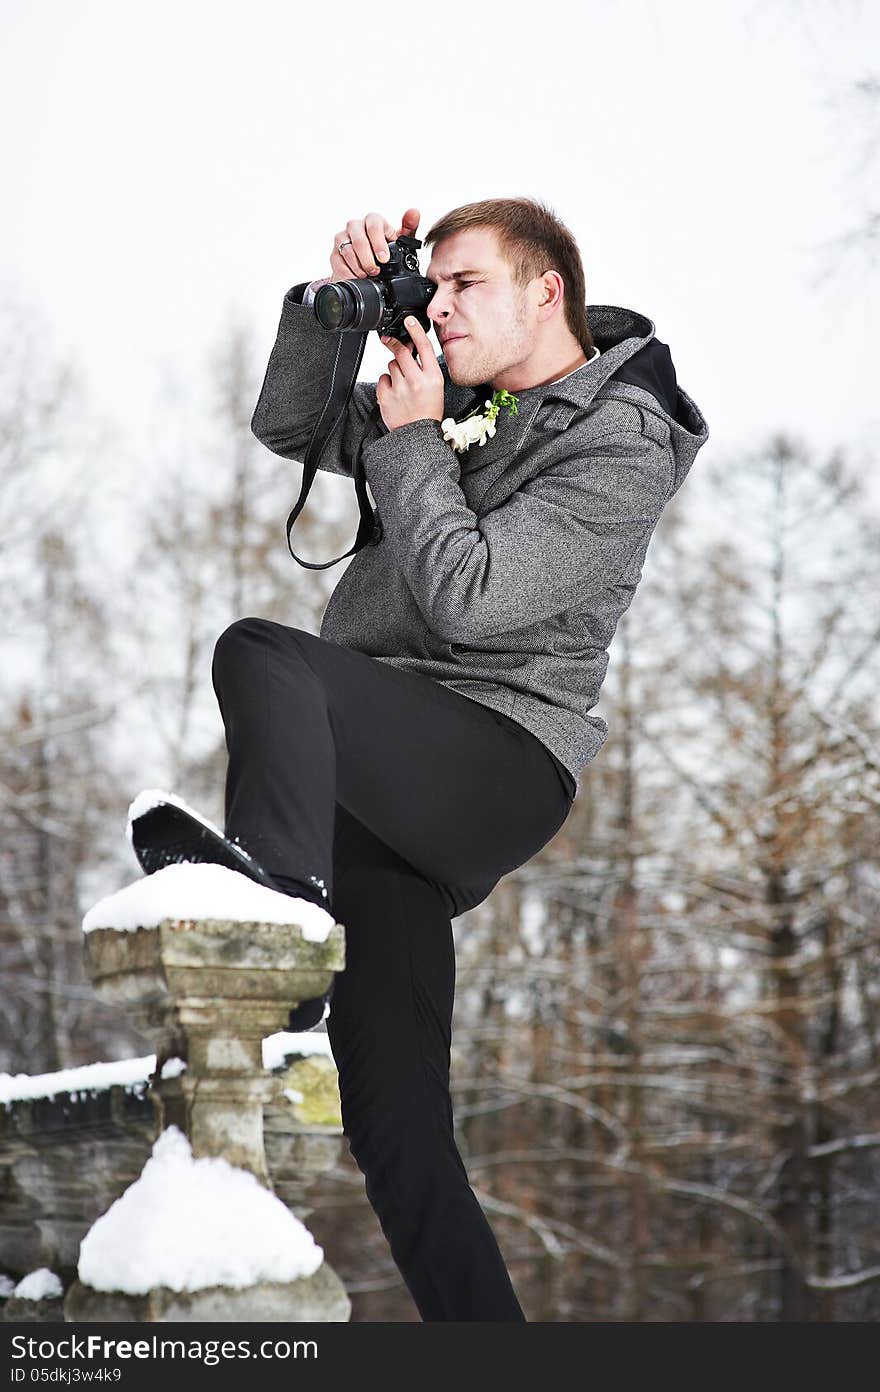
(455, 275)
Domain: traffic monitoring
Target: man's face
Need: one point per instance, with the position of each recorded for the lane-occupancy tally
(484, 322)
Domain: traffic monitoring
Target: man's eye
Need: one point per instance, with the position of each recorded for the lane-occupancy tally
(466, 284)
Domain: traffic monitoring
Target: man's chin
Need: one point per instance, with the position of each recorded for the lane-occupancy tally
(460, 377)
(463, 376)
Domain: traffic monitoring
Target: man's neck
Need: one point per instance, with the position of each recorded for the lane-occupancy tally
(519, 378)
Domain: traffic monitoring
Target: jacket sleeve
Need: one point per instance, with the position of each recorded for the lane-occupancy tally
(296, 386)
(312, 289)
(565, 535)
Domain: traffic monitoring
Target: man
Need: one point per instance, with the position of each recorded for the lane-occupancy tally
(429, 740)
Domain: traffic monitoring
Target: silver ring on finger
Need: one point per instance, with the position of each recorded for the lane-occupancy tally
(341, 245)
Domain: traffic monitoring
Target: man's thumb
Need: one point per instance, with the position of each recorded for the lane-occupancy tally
(410, 223)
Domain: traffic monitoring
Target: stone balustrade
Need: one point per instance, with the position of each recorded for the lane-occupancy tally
(211, 994)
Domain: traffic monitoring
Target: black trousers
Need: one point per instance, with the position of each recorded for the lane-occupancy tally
(410, 801)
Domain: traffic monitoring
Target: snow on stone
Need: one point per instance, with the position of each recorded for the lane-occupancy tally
(134, 1074)
(277, 1046)
(187, 1224)
(7, 1286)
(42, 1284)
(193, 891)
(91, 1078)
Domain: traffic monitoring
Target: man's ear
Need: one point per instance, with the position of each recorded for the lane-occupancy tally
(552, 289)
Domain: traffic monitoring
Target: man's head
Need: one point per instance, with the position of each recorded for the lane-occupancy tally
(510, 282)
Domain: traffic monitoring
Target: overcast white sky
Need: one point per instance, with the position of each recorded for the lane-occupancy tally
(171, 165)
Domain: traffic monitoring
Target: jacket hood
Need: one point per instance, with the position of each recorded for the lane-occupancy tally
(631, 356)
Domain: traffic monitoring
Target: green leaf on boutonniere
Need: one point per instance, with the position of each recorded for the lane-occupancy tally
(507, 399)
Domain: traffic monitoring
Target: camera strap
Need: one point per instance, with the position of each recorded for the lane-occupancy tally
(349, 352)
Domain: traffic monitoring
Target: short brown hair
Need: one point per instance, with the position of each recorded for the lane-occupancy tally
(532, 239)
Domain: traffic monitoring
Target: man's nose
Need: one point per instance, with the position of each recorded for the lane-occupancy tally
(438, 307)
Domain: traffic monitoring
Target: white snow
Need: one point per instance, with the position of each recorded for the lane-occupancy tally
(277, 1046)
(42, 1284)
(187, 1224)
(136, 1073)
(7, 1286)
(198, 891)
(92, 1077)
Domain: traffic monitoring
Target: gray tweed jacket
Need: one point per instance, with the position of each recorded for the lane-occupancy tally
(501, 572)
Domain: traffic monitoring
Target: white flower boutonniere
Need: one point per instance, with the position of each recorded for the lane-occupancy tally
(477, 428)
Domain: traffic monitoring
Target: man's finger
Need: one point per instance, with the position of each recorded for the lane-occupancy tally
(417, 333)
(403, 359)
(410, 222)
(402, 351)
(421, 341)
(408, 364)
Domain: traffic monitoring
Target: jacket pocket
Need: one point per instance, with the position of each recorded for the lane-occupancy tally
(486, 659)
(654, 426)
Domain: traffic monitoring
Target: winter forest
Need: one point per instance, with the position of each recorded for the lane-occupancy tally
(666, 1043)
(666, 1033)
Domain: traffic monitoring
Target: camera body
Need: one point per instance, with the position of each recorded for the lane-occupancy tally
(379, 302)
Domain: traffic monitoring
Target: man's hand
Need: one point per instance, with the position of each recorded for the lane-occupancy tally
(412, 389)
(366, 244)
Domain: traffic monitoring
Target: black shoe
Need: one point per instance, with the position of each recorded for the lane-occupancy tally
(309, 1012)
(298, 889)
(164, 831)
(167, 832)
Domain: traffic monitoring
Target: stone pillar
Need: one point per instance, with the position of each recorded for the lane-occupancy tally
(208, 992)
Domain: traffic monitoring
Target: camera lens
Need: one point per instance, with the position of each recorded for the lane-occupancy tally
(330, 306)
(349, 304)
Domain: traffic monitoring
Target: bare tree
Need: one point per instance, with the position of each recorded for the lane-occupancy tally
(213, 549)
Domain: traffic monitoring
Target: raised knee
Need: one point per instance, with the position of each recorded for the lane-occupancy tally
(241, 635)
(239, 631)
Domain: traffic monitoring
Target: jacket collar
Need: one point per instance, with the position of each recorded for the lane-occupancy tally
(629, 351)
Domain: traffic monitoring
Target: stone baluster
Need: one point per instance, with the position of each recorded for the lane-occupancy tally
(208, 991)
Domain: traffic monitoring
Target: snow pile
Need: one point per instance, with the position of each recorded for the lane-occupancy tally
(7, 1286)
(92, 1077)
(188, 1224)
(196, 891)
(39, 1285)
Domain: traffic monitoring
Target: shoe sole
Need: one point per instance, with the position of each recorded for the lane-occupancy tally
(167, 835)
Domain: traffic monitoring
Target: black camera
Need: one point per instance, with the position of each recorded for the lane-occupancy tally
(379, 302)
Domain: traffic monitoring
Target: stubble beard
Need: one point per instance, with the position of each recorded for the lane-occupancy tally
(513, 348)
